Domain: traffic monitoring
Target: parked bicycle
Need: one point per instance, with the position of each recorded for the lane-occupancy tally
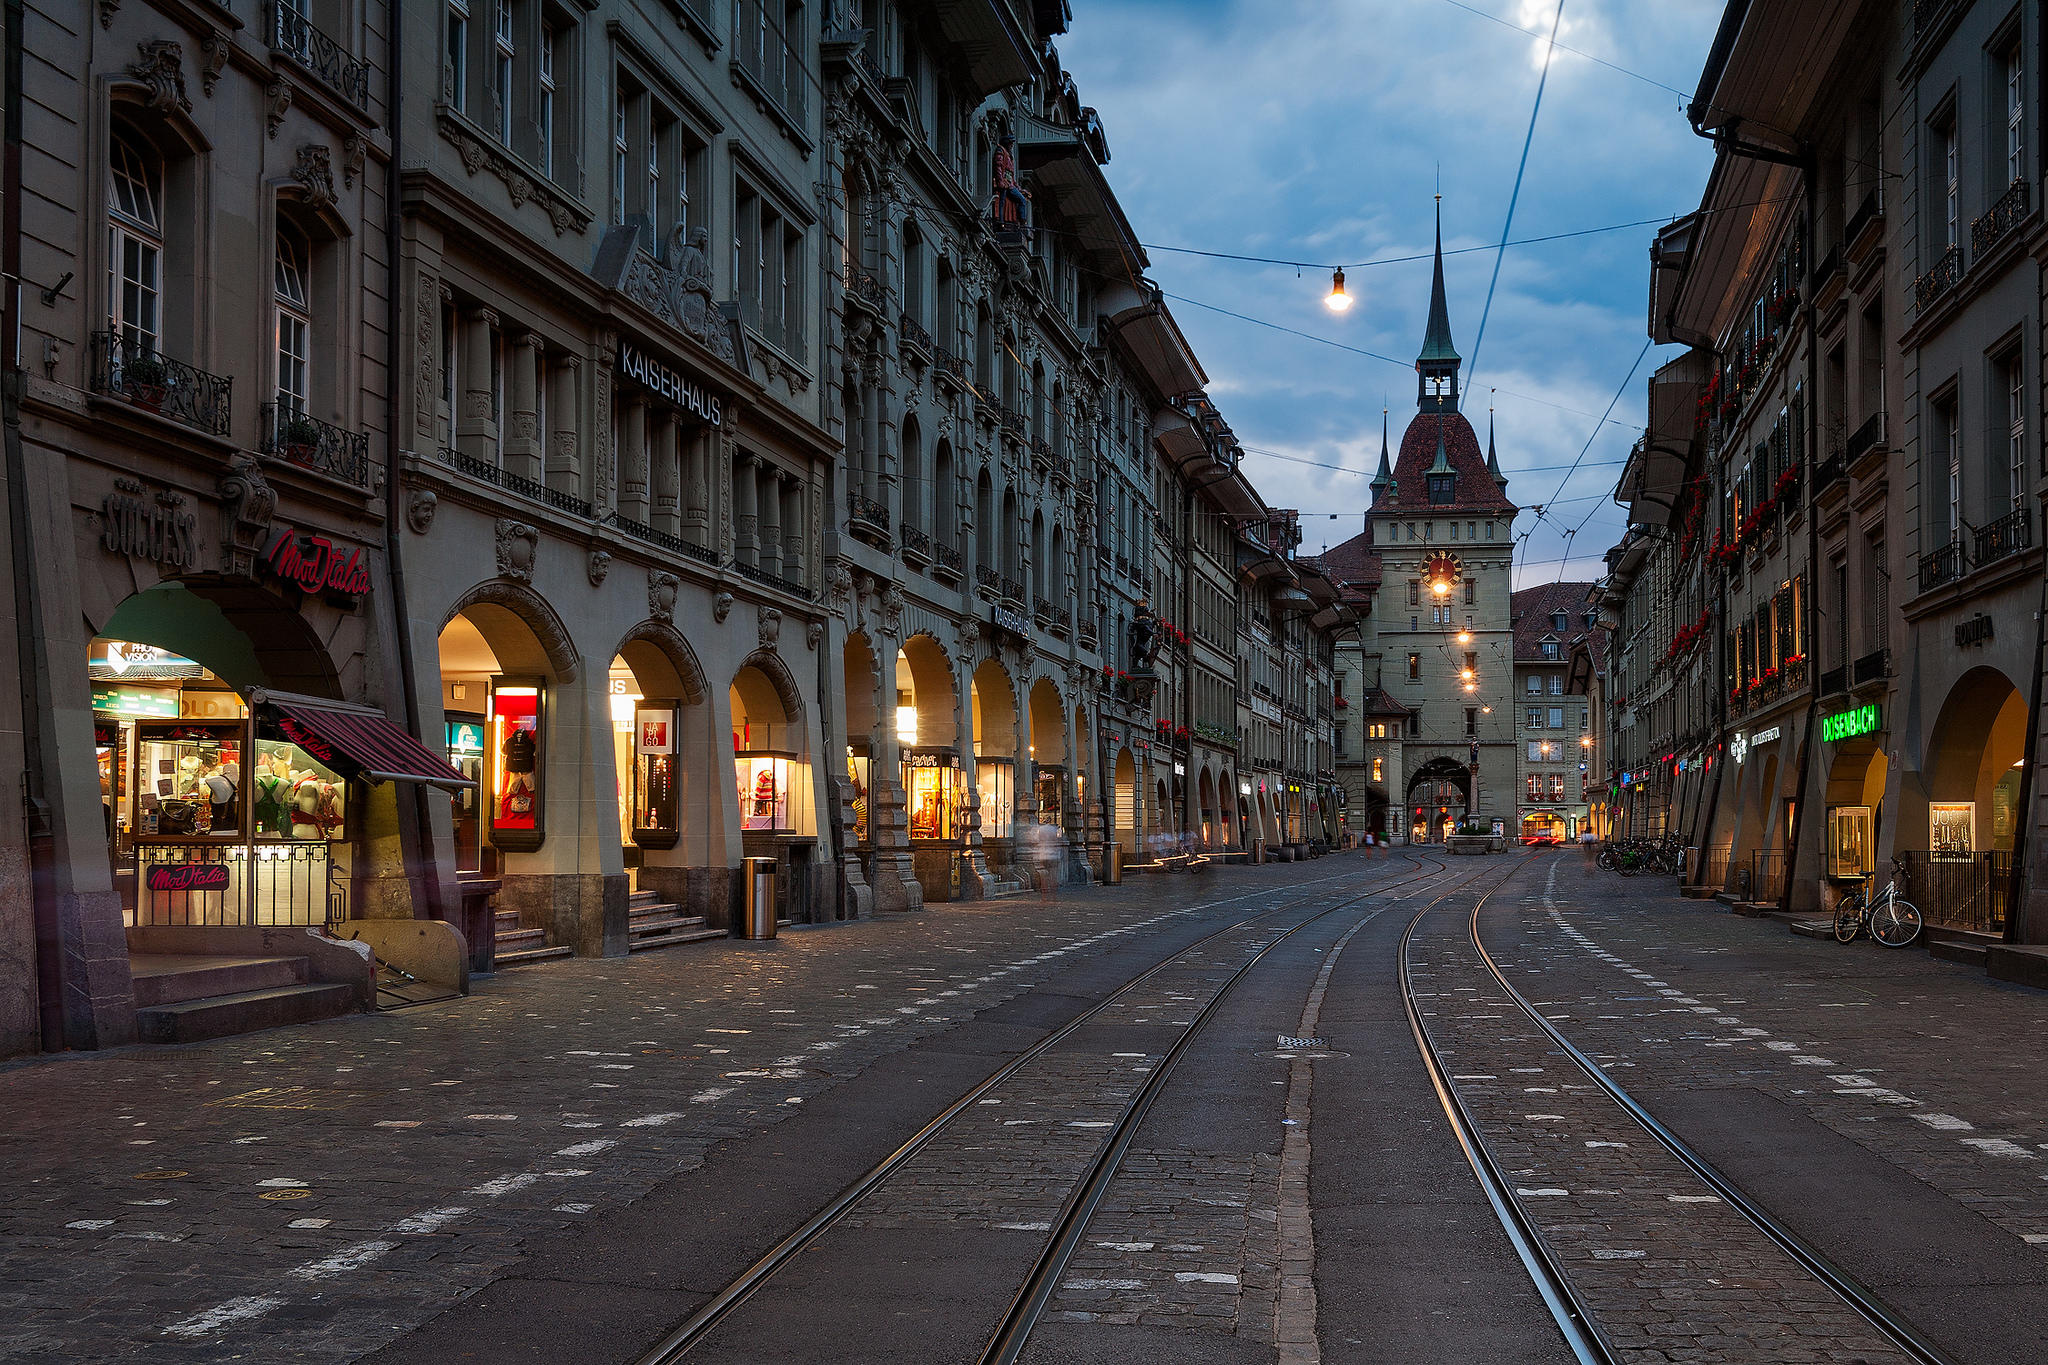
(1630, 856)
(1890, 918)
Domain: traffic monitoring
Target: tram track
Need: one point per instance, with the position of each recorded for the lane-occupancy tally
(1087, 1191)
(1572, 1306)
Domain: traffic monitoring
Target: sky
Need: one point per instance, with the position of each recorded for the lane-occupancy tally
(1315, 131)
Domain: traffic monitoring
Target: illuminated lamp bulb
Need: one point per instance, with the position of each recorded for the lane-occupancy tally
(1337, 301)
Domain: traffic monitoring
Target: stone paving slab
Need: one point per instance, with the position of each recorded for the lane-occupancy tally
(311, 1193)
(1669, 1272)
(1892, 1107)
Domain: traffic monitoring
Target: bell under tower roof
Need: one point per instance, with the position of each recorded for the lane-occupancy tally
(1436, 368)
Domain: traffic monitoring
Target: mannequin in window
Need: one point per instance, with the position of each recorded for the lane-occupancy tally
(519, 757)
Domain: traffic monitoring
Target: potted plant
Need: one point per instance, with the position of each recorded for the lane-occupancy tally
(297, 438)
(146, 380)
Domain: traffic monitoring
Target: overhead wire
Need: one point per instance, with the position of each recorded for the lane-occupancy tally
(1515, 195)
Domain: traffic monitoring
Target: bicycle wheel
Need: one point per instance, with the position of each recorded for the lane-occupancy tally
(1895, 924)
(1848, 918)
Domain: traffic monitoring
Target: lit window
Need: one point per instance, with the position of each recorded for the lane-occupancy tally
(134, 243)
(294, 322)
(1379, 770)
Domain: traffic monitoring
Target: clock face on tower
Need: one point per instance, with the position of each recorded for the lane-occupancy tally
(1441, 568)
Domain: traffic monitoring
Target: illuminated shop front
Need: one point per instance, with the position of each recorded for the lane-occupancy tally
(860, 761)
(1051, 779)
(516, 746)
(222, 809)
(932, 783)
(997, 778)
(1857, 771)
(771, 777)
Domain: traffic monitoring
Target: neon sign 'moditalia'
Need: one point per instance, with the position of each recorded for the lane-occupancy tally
(1859, 720)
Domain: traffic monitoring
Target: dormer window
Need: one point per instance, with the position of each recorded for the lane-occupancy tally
(1550, 649)
(1443, 489)
(1557, 620)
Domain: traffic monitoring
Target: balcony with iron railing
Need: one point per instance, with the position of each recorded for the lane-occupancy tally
(867, 518)
(517, 483)
(1012, 424)
(780, 582)
(947, 560)
(988, 580)
(1869, 438)
(1012, 592)
(293, 35)
(1061, 620)
(1875, 666)
(666, 540)
(2009, 535)
(916, 544)
(1996, 223)
(130, 368)
(1943, 564)
(865, 287)
(1833, 470)
(309, 443)
(1868, 214)
(1085, 633)
(914, 337)
(1835, 681)
(950, 368)
(1941, 277)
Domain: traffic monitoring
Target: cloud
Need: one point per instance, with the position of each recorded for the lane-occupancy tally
(1318, 132)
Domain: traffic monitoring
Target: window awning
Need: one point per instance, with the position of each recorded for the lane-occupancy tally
(356, 741)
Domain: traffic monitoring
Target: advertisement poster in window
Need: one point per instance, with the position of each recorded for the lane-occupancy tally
(1950, 827)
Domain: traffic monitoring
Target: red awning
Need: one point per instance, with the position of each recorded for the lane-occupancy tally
(364, 738)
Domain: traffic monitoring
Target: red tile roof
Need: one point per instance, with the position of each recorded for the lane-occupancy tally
(1534, 610)
(1475, 489)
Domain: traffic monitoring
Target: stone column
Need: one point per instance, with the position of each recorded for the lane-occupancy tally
(665, 464)
(564, 453)
(792, 494)
(697, 446)
(769, 496)
(633, 460)
(522, 426)
(476, 426)
(745, 510)
(895, 880)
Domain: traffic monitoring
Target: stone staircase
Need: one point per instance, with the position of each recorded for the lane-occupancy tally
(650, 923)
(188, 997)
(654, 923)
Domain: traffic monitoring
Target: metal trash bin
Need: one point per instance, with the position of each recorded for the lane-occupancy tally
(757, 897)
(1113, 864)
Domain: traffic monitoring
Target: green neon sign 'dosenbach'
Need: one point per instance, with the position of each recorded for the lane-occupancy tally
(1859, 720)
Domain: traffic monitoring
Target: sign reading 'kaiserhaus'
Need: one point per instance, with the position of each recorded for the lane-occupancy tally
(663, 382)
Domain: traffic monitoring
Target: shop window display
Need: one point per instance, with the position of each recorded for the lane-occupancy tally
(655, 777)
(1048, 794)
(1951, 826)
(931, 783)
(465, 748)
(1849, 841)
(764, 779)
(859, 766)
(516, 743)
(997, 778)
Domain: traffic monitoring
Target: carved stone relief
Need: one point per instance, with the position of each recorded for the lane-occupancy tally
(162, 69)
(598, 566)
(813, 633)
(279, 94)
(661, 595)
(315, 174)
(768, 627)
(517, 546)
(419, 510)
(721, 607)
(247, 504)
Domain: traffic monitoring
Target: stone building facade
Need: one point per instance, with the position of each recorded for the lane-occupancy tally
(1560, 677)
(1855, 440)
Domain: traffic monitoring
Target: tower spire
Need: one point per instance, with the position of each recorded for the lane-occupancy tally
(1492, 457)
(1437, 365)
(1384, 480)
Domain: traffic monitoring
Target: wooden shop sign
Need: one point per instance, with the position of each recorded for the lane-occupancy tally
(316, 564)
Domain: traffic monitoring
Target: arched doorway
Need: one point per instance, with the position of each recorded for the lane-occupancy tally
(934, 774)
(994, 705)
(772, 777)
(1124, 812)
(1226, 811)
(662, 754)
(212, 816)
(1439, 793)
(1049, 754)
(1972, 779)
(1205, 796)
